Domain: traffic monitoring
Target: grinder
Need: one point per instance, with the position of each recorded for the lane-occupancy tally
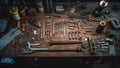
(97, 12)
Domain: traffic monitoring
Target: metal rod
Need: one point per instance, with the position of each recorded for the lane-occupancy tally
(64, 42)
(65, 30)
(43, 29)
(30, 48)
(53, 28)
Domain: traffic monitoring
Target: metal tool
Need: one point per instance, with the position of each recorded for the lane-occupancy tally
(53, 28)
(104, 48)
(73, 35)
(100, 27)
(41, 36)
(3, 25)
(92, 46)
(51, 5)
(112, 51)
(48, 5)
(39, 24)
(63, 42)
(65, 30)
(18, 24)
(32, 21)
(70, 36)
(44, 29)
(87, 27)
(97, 12)
(79, 25)
(9, 37)
(15, 14)
(23, 27)
(83, 46)
(54, 15)
(100, 41)
(76, 36)
(31, 50)
(26, 22)
(115, 22)
(59, 9)
(79, 36)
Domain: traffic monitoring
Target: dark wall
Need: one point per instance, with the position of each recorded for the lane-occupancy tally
(70, 0)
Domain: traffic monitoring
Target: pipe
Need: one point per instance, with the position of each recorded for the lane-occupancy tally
(100, 27)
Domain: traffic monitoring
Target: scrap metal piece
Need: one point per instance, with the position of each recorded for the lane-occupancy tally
(31, 50)
(92, 46)
(65, 30)
(79, 36)
(97, 12)
(59, 9)
(33, 22)
(84, 46)
(3, 24)
(23, 27)
(100, 27)
(9, 37)
(112, 51)
(53, 28)
(70, 36)
(115, 22)
(104, 50)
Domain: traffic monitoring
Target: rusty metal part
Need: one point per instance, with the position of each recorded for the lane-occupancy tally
(18, 24)
(75, 35)
(79, 36)
(109, 39)
(115, 22)
(79, 25)
(92, 46)
(43, 29)
(31, 50)
(87, 27)
(39, 24)
(53, 28)
(7, 38)
(54, 15)
(100, 27)
(32, 21)
(71, 28)
(100, 41)
(29, 46)
(65, 30)
(41, 35)
(63, 42)
(26, 22)
(23, 27)
(69, 35)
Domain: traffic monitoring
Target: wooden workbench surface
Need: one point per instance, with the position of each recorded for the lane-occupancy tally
(59, 33)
